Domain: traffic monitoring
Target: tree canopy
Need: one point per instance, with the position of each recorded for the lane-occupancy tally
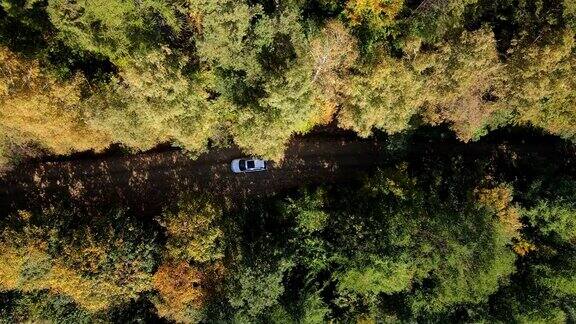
(199, 73)
(431, 237)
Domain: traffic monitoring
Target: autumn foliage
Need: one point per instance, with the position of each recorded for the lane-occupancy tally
(436, 238)
(200, 73)
(179, 286)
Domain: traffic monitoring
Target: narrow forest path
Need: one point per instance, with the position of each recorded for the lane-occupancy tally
(152, 179)
(148, 181)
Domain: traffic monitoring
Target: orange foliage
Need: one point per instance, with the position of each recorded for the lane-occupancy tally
(184, 289)
(523, 247)
(180, 285)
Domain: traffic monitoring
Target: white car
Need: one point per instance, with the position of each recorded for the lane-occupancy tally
(247, 165)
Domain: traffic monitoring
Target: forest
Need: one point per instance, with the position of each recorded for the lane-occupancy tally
(471, 217)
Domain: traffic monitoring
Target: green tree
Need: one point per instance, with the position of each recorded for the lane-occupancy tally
(465, 84)
(438, 83)
(117, 29)
(264, 129)
(315, 309)
(404, 238)
(41, 306)
(434, 20)
(386, 98)
(307, 210)
(154, 101)
(379, 276)
(229, 38)
(570, 12)
(193, 231)
(556, 218)
(254, 290)
(543, 290)
(558, 277)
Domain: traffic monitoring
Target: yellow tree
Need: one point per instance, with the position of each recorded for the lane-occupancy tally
(181, 289)
(35, 108)
(377, 14)
(334, 51)
(385, 98)
(499, 200)
(542, 83)
(96, 271)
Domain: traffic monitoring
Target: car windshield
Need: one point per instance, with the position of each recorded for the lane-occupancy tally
(242, 165)
(251, 164)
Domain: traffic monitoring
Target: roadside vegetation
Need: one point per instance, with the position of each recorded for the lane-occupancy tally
(77, 75)
(441, 240)
(427, 241)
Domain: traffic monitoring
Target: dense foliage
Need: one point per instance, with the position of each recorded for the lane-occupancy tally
(81, 75)
(447, 241)
(415, 242)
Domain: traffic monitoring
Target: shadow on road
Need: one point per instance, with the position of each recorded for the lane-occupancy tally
(146, 182)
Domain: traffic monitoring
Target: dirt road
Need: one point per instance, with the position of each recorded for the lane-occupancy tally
(148, 181)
